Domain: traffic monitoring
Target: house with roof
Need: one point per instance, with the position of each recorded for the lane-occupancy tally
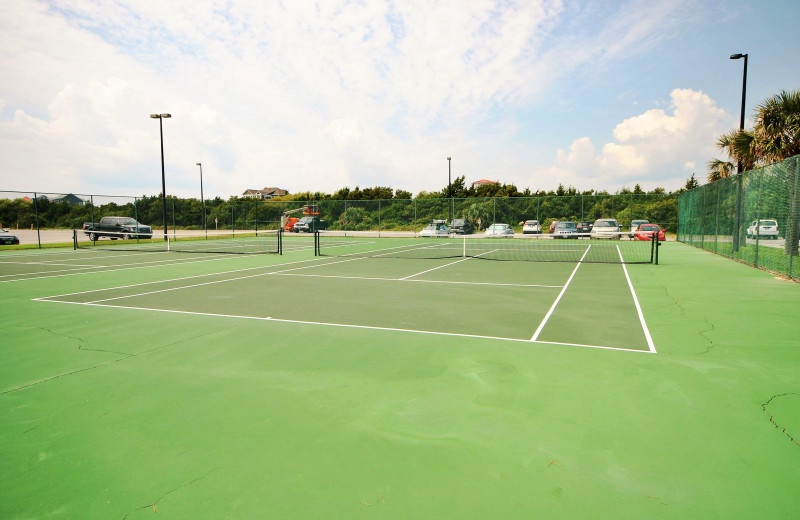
(264, 194)
(69, 198)
(481, 182)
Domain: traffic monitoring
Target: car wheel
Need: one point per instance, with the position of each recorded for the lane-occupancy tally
(93, 237)
(126, 237)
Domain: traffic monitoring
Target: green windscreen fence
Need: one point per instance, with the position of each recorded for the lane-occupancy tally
(753, 217)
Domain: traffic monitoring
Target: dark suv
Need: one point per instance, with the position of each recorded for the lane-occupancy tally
(584, 227)
(309, 225)
(461, 226)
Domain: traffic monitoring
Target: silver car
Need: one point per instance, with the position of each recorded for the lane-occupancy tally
(605, 228)
(565, 229)
(437, 228)
(499, 230)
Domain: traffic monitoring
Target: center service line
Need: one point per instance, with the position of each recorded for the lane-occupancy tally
(553, 307)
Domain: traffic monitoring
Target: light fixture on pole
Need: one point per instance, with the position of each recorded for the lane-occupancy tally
(202, 200)
(737, 224)
(161, 118)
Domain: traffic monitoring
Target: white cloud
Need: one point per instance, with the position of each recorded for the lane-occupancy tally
(655, 148)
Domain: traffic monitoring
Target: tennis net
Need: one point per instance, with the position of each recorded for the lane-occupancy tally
(238, 242)
(537, 248)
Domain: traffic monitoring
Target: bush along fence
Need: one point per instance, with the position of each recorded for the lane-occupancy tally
(753, 217)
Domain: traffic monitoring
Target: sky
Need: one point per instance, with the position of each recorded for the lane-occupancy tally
(321, 95)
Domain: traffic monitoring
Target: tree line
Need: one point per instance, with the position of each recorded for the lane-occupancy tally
(358, 209)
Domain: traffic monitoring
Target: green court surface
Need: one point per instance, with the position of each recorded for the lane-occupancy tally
(187, 385)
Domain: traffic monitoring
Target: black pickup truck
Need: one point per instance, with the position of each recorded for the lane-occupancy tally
(117, 227)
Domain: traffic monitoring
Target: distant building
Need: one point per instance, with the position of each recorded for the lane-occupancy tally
(68, 198)
(265, 194)
(482, 182)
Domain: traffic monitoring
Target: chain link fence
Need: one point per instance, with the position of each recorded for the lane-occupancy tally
(753, 217)
(37, 212)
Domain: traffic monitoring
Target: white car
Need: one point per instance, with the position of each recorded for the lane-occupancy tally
(605, 228)
(437, 228)
(767, 228)
(499, 230)
(531, 227)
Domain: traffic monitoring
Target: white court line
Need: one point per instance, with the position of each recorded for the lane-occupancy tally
(219, 281)
(417, 281)
(99, 269)
(553, 307)
(445, 265)
(647, 336)
(45, 298)
(344, 325)
(435, 268)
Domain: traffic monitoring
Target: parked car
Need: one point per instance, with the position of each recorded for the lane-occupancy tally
(635, 225)
(499, 230)
(553, 225)
(584, 227)
(309, 225)
(461, 226)
(605, 228)
(437, 228)
(7, 239)
(645, 232)
(767, 228)
(531, 227)
(117, 227)
(566, 229)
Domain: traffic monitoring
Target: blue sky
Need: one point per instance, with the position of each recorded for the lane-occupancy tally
(320, 95)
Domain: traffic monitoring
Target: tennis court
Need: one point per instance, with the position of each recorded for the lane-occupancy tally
(335, 380)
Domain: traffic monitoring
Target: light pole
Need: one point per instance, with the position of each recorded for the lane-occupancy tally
(739, 167)
(202, 200)
(449, 192)
(161, 118)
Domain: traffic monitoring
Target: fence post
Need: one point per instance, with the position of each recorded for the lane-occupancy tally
(703, 219)
(758, 216)
(36, 213)
(716, 222)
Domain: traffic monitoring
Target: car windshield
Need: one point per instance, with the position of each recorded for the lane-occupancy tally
(648, 227)
(458, 222)
(566, 225)
(606, 223)
(305, 220)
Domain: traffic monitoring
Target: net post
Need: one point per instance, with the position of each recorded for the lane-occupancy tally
(464, 247)
(168, 241)
(74, 239)
(316, 242)
(280, 241)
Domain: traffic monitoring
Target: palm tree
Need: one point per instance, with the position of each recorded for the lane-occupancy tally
(738, 144)
(777, 127)
(718, 169)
